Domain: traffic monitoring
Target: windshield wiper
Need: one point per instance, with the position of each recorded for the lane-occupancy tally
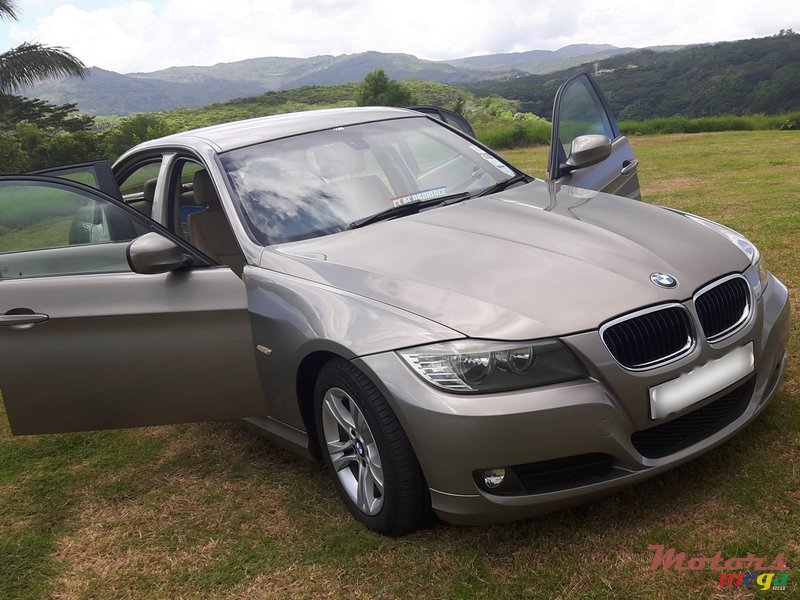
(505, 184)
(409, 209)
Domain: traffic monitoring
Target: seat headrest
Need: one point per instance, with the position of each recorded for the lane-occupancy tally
(339, 160)
(203, 189)
(149, 190)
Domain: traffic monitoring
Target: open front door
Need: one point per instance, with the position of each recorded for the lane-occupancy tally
(86, 343)
(580, 116)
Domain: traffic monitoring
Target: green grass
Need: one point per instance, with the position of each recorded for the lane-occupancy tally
(50, 233)
(22, 206)
(36, 217)
(213, 511)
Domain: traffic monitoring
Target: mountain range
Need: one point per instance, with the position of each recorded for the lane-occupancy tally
(105, 92)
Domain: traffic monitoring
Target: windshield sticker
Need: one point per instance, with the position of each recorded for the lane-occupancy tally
(420, 196)
(492, 160)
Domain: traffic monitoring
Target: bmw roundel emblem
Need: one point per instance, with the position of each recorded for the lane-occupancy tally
(663, 280)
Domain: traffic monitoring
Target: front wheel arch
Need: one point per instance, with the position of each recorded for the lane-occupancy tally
(306, 382)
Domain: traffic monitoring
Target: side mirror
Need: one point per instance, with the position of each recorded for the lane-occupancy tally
(587, 150)
(152, 253)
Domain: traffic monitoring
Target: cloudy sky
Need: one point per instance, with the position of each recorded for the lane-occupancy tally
(138, 35)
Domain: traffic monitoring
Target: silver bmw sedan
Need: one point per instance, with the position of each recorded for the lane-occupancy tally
(375, 288)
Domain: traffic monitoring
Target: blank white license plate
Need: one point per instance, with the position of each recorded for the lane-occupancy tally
(676, 394)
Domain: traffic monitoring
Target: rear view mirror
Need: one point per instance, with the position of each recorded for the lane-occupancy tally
(152, 253)
(587, 150)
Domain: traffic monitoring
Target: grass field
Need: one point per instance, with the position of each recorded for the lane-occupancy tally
(213, 511)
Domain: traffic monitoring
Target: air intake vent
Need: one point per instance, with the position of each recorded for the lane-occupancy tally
(646, 339)
(563, 473)
(689, 429)
(723, 307)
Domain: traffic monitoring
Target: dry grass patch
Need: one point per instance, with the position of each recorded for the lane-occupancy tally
(170, 532)
(114, 543)
(300, 581)
(660, 189)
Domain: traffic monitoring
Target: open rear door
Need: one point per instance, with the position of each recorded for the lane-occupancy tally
(579, 110)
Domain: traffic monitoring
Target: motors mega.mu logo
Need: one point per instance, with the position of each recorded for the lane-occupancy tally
(753, 571)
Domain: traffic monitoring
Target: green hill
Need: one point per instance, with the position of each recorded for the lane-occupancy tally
(270, 103)
(109, 93)
(749, 76)
(313, 97)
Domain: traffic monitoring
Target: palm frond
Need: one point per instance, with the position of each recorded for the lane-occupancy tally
(28, 63)
(8, 10)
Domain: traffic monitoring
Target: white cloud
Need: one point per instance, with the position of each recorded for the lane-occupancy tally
(130, 36)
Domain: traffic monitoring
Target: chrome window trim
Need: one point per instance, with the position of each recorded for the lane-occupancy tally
(691, 341)
(743, 320)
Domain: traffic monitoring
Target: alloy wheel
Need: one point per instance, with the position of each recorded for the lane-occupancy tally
(354, 454)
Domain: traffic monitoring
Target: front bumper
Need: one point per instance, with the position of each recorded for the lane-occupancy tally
(455, 436)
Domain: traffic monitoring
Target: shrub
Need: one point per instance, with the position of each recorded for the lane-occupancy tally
(514, 134)
(680, 124)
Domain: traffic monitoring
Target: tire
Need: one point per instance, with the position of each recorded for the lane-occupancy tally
(367, 452)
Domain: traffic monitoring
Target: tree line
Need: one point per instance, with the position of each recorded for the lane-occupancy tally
(35, 134)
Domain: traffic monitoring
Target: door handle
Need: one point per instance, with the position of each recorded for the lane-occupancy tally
(22, 320)
(628, 166)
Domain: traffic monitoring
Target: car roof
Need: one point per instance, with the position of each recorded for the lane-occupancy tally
(237, 134)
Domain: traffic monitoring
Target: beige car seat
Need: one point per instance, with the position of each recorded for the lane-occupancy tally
(209, 229)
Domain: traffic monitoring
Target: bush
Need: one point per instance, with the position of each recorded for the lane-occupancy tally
(378, 90)
(514, 134)
(134, 130)
(705, 124)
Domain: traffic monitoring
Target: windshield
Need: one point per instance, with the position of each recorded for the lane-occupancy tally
(319, 183)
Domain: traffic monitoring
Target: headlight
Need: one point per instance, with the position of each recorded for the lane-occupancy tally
(481, 366)
(741, 242)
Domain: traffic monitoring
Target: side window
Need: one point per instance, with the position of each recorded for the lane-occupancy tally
(47, 228)
(459, 122)
(447, 116)
(132, 187)
(95, 174)
(87, 175)
(138, 189)
(582, 113)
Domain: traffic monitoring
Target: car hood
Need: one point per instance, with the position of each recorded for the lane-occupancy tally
(535, 261)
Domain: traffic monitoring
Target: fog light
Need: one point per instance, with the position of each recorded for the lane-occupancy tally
(493, 478)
